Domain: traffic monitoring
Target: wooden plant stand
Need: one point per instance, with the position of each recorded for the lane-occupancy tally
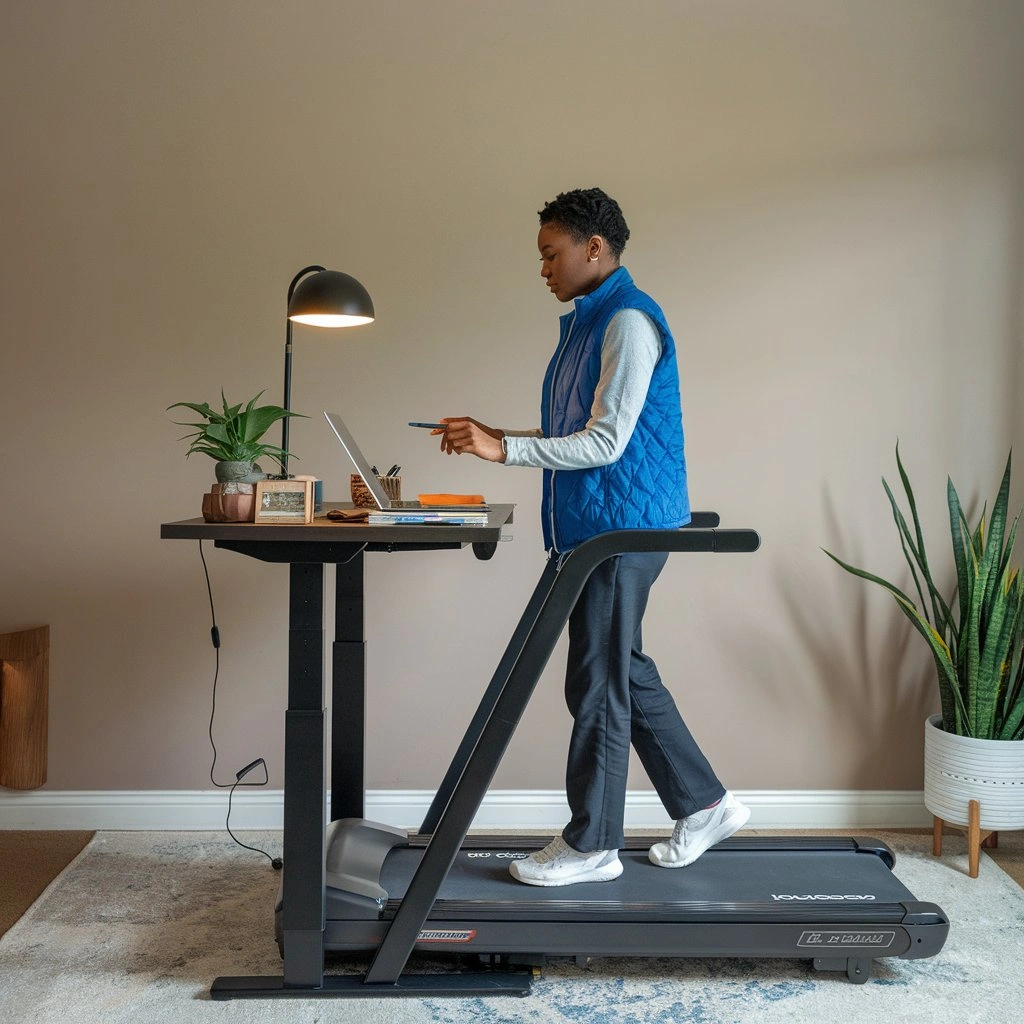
(977, 837)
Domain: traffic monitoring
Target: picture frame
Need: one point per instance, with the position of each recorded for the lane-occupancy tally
(284, 501)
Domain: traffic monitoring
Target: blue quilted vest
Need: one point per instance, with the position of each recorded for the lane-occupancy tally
(646, 487)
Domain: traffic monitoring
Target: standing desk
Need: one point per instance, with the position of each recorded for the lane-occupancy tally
(307, 549)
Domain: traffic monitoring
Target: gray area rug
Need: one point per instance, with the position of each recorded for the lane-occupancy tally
(138, 926)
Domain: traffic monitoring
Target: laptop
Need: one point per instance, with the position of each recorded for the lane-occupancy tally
(373, 484)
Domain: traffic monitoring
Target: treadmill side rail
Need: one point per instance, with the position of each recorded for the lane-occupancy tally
(878, 849)
(607, 937)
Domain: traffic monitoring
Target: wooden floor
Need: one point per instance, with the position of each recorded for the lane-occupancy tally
(31, 860)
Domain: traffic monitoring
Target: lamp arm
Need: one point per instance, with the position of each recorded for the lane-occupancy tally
(288, 363)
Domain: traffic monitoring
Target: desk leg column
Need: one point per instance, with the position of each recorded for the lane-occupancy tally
(348, 692)
(304, 783)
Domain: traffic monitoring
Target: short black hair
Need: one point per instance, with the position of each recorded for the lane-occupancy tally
(584, 212)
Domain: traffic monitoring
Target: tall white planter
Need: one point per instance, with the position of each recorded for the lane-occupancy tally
(958, 769)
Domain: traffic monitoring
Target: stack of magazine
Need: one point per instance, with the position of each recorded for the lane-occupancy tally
(452, 515)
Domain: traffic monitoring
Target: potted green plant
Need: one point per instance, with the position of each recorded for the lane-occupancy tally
(973, 750)
(232, 436)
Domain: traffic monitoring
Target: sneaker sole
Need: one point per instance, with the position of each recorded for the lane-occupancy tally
(605, 873)
(729, 826)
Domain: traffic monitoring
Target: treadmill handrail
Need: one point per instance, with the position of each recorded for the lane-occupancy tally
(507, 707)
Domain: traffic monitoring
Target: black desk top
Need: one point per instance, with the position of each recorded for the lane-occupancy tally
(281, 541)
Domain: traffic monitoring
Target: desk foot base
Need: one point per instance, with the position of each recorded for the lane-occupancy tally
(352, 986)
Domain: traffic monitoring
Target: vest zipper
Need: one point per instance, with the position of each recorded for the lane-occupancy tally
(551, 418)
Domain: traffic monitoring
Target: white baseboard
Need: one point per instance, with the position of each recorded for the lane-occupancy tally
(184, 810)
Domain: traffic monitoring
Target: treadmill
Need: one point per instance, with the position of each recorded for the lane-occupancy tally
(391, 894)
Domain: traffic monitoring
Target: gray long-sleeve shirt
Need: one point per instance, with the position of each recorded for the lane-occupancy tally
(629, 351)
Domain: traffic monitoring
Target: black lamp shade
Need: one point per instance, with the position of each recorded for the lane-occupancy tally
(330, 299)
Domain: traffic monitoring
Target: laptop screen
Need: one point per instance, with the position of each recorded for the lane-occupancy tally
(358, 460)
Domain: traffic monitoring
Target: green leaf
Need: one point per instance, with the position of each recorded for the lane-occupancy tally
(864, 575)
(946, 670)
(203, 410)
(258, 421)
(938, 610)
(910, 551)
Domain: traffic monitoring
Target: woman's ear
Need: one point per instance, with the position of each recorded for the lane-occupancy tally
(595, 247)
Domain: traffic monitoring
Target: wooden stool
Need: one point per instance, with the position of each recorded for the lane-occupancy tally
(977, 837)
(24, 707)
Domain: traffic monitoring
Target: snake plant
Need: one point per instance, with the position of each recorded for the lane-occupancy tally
(233, 434)
(977, 637)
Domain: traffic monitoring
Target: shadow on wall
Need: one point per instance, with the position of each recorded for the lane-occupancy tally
(875, 678)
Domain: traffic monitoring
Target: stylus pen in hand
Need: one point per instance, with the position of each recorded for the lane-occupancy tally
(428, 426)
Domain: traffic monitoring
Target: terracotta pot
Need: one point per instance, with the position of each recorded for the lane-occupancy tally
(230, 503)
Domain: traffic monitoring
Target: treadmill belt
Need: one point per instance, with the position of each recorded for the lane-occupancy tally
(789, 885)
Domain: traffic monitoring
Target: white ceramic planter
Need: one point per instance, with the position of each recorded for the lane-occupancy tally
(958, 769)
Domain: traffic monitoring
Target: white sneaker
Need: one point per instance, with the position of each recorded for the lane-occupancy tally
(699, 832)
(559, 864)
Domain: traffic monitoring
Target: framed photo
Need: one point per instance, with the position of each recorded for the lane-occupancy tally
(284, 501)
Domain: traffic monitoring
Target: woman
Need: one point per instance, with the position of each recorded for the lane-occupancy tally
(611, 447)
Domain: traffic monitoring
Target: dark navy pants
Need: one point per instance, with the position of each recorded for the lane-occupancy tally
(616, 697)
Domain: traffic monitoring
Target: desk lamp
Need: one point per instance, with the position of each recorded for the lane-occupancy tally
(327, 299)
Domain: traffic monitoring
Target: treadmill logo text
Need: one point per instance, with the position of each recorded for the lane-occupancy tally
(820, 896)
(435, 935)
(878, 940)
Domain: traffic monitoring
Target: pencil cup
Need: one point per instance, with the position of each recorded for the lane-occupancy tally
(392, 486)
(361, 496)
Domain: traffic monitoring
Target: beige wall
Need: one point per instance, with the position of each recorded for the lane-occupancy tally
(825, 197)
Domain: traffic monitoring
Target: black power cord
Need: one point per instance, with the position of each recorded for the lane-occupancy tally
(275, 862)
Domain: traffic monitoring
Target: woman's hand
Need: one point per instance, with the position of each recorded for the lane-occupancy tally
(463, 435)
